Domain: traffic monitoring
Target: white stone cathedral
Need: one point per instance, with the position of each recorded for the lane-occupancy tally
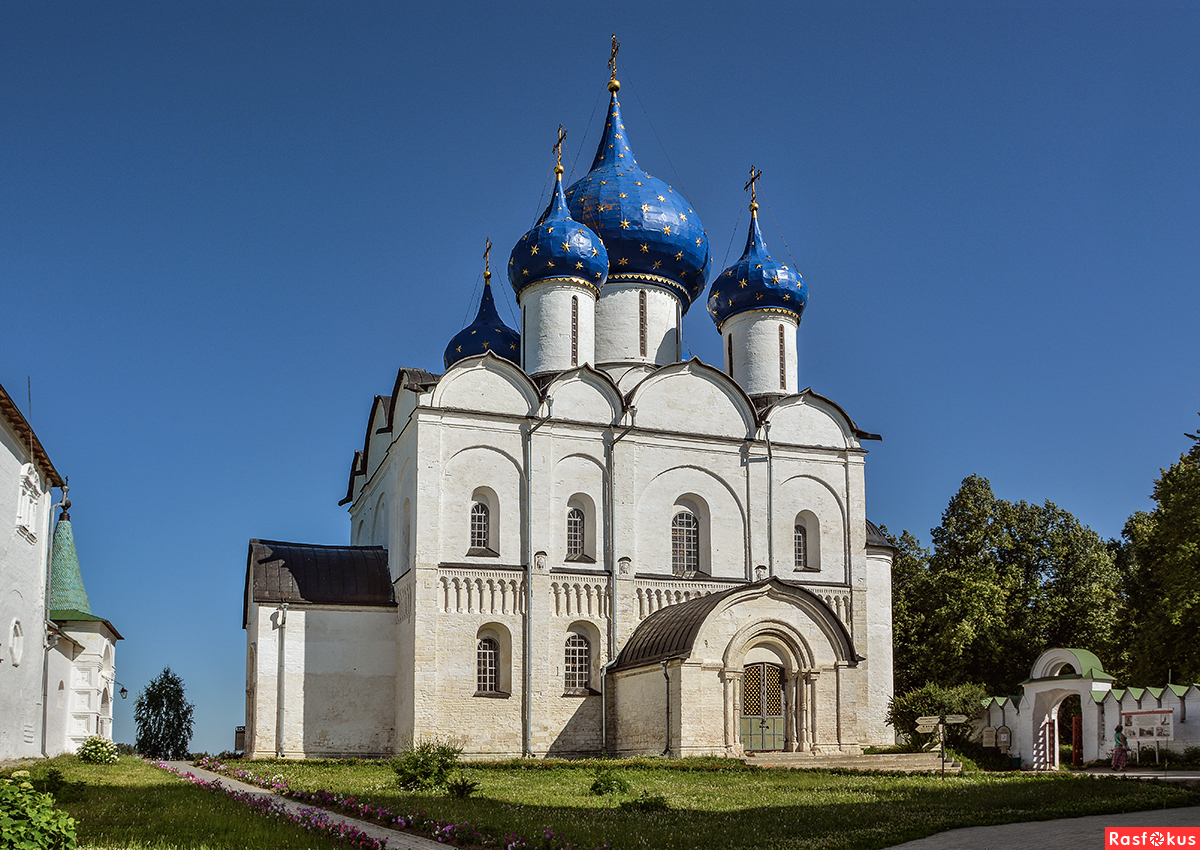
(572, 541)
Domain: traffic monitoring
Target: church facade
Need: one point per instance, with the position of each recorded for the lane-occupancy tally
(573, 541)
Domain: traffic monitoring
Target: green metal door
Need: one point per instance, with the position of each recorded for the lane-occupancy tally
(762, 708)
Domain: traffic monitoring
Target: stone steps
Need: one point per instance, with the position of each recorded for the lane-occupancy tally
(892, 762)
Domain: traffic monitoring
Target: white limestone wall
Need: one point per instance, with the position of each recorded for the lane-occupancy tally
(753, 338)
(618, 324)
(640, 697)
(546, 326)
(878, 668)
(24, 547)
(91, 687)
(338, 671)
(59, 686)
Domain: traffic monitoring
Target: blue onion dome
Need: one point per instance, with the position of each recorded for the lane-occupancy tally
(652, 233)
(756, 282)
(558, 248)
(487, 333)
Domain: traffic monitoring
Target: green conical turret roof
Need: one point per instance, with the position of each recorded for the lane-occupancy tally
(66, 582)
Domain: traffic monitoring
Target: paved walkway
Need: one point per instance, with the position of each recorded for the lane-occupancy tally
(396, 840)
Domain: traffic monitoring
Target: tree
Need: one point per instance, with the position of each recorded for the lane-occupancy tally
(163, 717)
(1005, 581)
(1159, 553)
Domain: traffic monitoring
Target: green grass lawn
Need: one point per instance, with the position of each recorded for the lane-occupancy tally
(741, 808)
(133, 805)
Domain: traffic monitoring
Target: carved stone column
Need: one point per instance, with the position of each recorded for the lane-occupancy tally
(789, 711)
(814, 742)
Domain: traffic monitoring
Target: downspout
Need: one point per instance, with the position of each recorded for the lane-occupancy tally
(611, 559)
(667, 749)
(770, 500)
(527, 653)
(280, 677)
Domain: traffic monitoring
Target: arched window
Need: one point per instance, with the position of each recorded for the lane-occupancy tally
(577, 665)
(729, 346)
(642, 321)
(575, 520)
(487, 666)
(782, 361)
(685, 543)
(801, 547)
(480, 525)
(807, 542)
(574, 330)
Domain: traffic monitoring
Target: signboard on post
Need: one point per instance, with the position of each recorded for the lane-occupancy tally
(989, 736)
(1149, 725)
(1003, 738)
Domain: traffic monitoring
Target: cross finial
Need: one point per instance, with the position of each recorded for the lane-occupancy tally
(613, 85)
(487, 263)
(66, 488)
(562, 135)
(752, 186)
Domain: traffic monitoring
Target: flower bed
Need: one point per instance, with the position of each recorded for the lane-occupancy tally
(418, 822)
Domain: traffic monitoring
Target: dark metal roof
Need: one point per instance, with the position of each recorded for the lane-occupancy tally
(671, 632)
(299, 573)
(875, 537)
(10, 411)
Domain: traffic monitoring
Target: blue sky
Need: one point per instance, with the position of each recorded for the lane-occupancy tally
(224, 227)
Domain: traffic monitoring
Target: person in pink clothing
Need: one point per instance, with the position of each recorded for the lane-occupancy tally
(1121, 750)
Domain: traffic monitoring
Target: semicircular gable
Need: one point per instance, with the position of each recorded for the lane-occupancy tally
(585, 395)
(807, 420)
(487, 383)
(693, 397)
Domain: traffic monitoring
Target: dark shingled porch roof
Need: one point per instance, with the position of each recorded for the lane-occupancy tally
(300, 573)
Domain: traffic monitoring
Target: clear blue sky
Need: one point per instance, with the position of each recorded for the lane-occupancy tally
(224, 226)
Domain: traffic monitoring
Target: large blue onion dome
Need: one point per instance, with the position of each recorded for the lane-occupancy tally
(652, 233)
(487, 333)
(756, 282)
(558, 248)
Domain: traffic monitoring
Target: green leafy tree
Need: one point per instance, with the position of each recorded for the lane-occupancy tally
(163, 717)
(1159, 555)
(1004, 582)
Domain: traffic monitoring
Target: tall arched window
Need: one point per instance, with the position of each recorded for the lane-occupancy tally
(801, 547)
(642, 321)
(685, 543)
(729, 346)
(575, 521)
(577, 667)
(782, 361)
(487, 666)
(480, 525)
(574, 330)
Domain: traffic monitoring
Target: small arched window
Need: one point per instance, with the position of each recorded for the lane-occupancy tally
(574, 330)
(487, 666)
(782, 360)
(575, 522)
(577, 665)
(729, 347)
(480, 525)
(642, 322)
(801, 547)
(685, 543)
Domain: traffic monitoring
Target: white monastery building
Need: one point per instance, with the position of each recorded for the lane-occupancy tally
(572, 541)
(57, 668)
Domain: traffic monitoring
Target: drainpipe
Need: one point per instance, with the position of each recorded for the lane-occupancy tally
(667, 749)
(527, 654)
(280, 677)
(611, 562)
(770, 500)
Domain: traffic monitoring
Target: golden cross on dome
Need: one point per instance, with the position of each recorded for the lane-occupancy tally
(754, 175)
(613, 85)
(562, 135)
(487, 262)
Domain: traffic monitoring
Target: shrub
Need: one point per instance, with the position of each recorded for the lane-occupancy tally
(29, 821)
(426, 764)
(97, 750)
(607, 782)
(646, 802)
(461, 786)
(931, 699)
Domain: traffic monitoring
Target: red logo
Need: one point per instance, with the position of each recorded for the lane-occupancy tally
(1140, 836)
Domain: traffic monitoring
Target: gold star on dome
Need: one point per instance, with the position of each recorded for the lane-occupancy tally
(787, 297)
(661, 198)
(682, 217)
(775, 279)
(742, 283)
(533, 250)
(510, 261)
(485, 345)
(566, 246)
(622, 262)
(581, 231)
(679, 256)
(603, 182)
(657, 263)
(610, 147)
(625, 223)
(759, 266)
(698, 241)
(549, 265)
(730, 302)
(472, 333)
(667, 230)
(525, 272)
(549, 229)
(727, 273)
(617, 135)
(645, 208)
(683, 273)
(638, 182)
(579, 265)
(597, 275)
(623, 195)
(785, 268)
(512, 346)
(621, 155)
(594, 252)
(458, 349)
(645, 248)
(758, 297)
(622, 126)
